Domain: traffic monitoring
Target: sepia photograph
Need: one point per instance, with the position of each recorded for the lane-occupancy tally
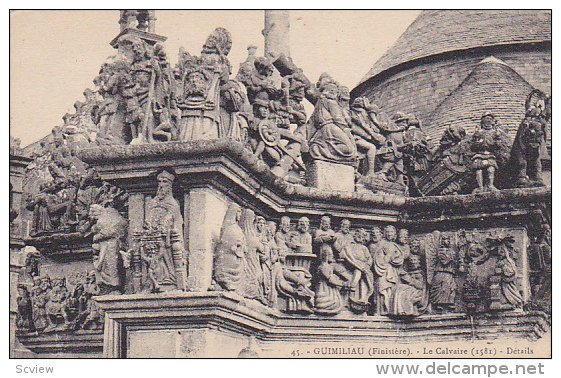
(372, 184)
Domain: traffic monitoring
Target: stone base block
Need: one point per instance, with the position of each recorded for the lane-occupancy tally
(330, 176)
(217, 324)
(378, 185)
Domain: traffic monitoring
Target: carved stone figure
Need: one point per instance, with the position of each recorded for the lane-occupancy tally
(376, 239)
(529, 146)
(390, 153)
(230, 252)
(203, 78)
(141, 19)
(108, 231)
(293, 285)
(331, 140)
(24, 318)
(388, 260)
(39, 299)
(324, 236)
(148, 93)
(301, 240)
(359, 260)
(284, 235)
(540, 263)
(417, 153)
(410, 297)
(332, 278)
(504, 292)
(443, 284)
(56, 298)
(366, 135)
(490, 144)
(253, 281)
(343, 237)
(94, 316)
(160, 248)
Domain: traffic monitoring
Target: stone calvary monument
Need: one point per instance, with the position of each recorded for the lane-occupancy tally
(187, 207)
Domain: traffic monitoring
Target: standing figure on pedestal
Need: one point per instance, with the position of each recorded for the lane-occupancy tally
(163, 237)
(388, 261)
(332, 140)
(148, 93)
(443, 285)
(358, 258)
(491, 145)
(230, 252)
(108, 231)
(253, 281)
(205, 79)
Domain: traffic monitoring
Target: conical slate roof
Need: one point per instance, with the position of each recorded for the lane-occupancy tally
(493, 87)
(441, 31)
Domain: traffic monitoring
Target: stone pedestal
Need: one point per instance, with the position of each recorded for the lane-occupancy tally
(330, 176)
(214, 324)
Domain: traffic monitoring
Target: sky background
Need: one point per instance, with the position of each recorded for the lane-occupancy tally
(55, 55)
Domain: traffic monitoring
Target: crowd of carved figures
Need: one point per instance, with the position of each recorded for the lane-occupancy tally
(52, 305)
(141, 98)
(380, 271)
(303, 266)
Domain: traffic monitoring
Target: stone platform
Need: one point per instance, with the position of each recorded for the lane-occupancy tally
(194, 324)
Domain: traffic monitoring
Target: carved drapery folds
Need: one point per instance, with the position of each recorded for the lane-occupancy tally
(382, 272)
(157, 257)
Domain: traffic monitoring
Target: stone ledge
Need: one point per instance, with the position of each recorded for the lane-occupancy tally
(233, 314)
(63, 344)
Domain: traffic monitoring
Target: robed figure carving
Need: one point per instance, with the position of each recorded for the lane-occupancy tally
(331, 140)
(388, 260)
(230, 252)
(160, 249)
(108, 233)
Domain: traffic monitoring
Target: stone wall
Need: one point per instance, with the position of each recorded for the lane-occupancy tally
(420, 88)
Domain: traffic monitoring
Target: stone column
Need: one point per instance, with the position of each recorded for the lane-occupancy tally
(204, 213)
(276, 33)
(136, 222)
